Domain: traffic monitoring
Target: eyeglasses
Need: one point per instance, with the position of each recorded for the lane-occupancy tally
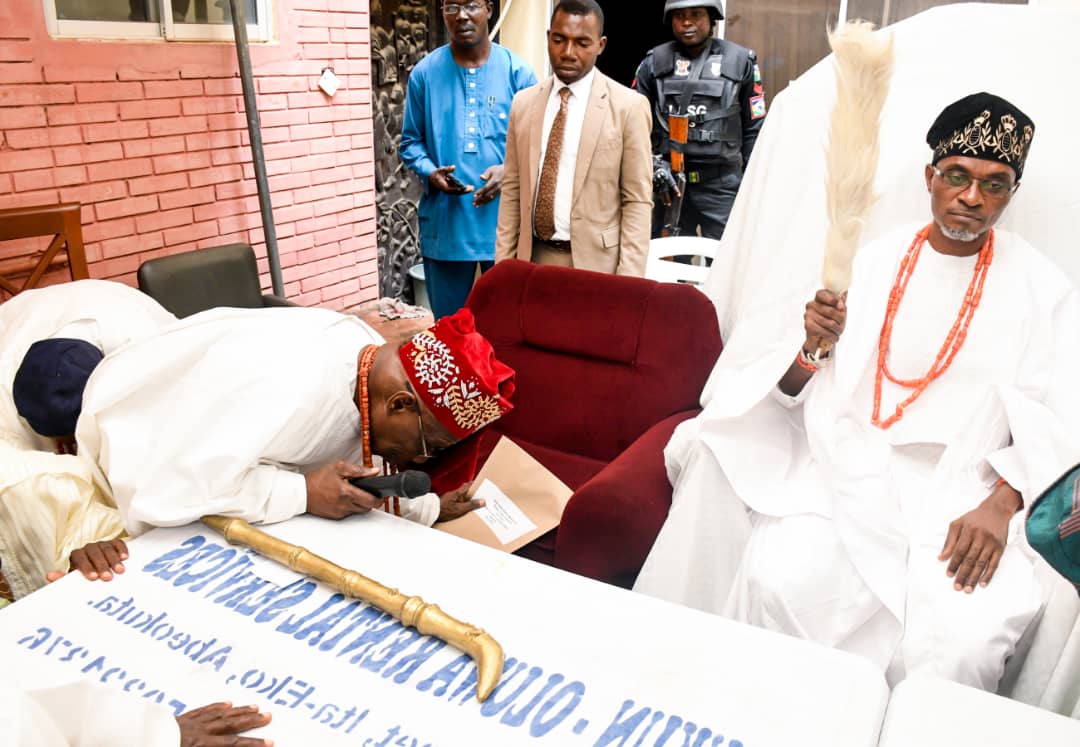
(994, 188)
(425, 453)
(423, 436)
(452, 9)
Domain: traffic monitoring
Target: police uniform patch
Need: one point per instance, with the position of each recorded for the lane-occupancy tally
(682, 68)
(715, 68)
(757, 107)
(757, 73)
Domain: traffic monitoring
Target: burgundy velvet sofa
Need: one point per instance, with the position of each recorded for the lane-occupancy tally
(607, 367)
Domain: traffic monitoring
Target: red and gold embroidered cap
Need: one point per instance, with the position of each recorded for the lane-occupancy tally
(455, 372)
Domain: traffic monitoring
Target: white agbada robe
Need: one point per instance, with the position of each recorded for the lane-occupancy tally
(225, 412)
(105, 314)
(48, 503)
(39, 710)
(847, 520)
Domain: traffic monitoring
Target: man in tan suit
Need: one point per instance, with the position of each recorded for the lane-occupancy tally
(577, 187)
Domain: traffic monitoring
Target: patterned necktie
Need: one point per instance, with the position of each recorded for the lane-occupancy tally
(549, 174)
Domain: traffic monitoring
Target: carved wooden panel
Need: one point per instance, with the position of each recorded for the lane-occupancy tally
(402, 33)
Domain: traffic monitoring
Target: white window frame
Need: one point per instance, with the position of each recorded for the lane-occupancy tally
(165, 30)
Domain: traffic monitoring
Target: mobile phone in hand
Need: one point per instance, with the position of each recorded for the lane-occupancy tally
(454, 183)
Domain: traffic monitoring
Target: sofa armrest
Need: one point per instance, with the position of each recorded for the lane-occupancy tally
(611, 522)
(270, 300)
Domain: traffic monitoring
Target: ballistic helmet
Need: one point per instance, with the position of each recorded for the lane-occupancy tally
(715, 8)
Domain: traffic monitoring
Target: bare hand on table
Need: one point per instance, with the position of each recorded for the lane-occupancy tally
(98, 560)
(218, 724)
(457, 503)
(977, 539)
(331, 496)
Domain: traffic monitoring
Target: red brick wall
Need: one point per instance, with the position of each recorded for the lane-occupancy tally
(151, 139)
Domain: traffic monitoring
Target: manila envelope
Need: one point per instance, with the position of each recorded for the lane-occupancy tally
(524, 501)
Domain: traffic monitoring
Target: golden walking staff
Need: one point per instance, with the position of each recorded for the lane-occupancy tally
(413, 612)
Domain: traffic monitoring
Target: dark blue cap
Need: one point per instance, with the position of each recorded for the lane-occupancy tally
(49, 384)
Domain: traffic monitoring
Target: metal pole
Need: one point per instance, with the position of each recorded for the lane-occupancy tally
(251, 109)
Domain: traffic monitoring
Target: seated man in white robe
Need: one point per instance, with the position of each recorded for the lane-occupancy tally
(266, 414)
(49, 506)
(883, 479)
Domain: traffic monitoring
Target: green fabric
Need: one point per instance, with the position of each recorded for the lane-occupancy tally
(1053, 526)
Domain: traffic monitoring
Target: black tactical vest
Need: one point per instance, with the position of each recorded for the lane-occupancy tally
(713, 108)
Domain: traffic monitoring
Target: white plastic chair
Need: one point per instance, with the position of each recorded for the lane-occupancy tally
(659, 265)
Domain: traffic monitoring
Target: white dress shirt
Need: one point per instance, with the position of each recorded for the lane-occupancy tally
(576, 107)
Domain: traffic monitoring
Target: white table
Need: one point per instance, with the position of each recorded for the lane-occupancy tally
(587, 664)
(936, 713)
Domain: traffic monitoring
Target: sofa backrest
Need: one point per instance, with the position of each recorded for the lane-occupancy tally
(599, 358)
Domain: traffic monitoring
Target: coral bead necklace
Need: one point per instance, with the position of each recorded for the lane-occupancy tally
(363, 402)
(363, 399)
(953, 341)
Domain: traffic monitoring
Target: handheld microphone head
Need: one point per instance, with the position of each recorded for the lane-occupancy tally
(415, 483)
(408, 484)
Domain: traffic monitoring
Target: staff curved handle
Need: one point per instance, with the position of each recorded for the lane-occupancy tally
(412, 612)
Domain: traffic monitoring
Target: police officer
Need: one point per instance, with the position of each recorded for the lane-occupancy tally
(717, 85)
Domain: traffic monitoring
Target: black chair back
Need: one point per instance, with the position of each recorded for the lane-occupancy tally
(194, 281)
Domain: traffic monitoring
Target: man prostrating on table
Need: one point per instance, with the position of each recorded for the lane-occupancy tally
(265, 414)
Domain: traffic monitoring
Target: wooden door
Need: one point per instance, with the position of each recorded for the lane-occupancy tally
(884, 12)
(788, 35)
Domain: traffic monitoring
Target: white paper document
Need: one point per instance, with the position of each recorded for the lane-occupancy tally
(501, 514)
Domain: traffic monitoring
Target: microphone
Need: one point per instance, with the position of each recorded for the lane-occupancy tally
(408, 484)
